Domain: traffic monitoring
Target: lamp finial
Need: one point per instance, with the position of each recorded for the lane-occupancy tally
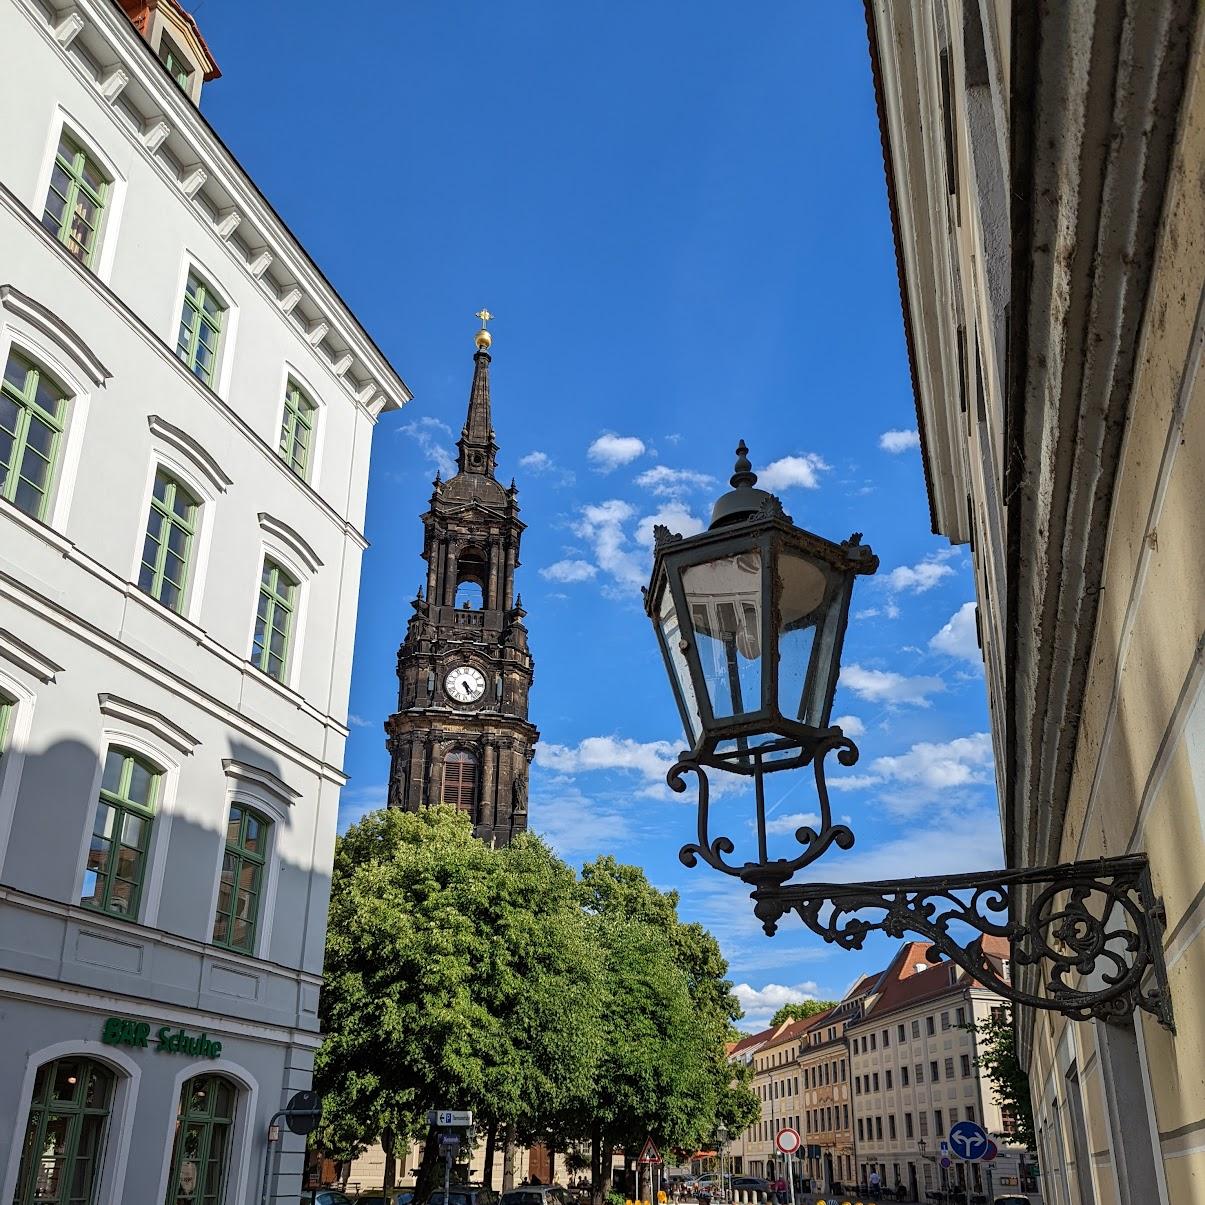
(744, 474)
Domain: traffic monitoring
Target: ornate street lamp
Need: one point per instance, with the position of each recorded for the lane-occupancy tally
(750, 616)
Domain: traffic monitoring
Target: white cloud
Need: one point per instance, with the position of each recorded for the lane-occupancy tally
(761, 1003)
(940, 766)
(671, 483)
(850, 725)
(358, 721)
(899, 441)
(916, 579)
(885, 686)
(651, 759)
(957, 638)
(674, 515)
(792, 471)
(789, 822)
(543, 465)
(569, 570)
(840, 781)
(433, 439)
(574, 825)
(536, 461)
(609, 451)
(602, 526)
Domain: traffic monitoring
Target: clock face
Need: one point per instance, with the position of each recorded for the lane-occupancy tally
(465, 684)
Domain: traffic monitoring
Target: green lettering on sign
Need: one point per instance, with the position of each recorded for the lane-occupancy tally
(123, 1031)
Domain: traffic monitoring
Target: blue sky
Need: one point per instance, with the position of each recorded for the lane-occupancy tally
(682, 227)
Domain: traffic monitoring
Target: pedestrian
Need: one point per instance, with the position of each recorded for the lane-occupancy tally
(875, 1181)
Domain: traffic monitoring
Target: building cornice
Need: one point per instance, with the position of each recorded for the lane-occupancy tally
(174, 115)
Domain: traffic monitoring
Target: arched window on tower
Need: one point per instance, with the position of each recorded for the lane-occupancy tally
(470, 580)
(460, 781)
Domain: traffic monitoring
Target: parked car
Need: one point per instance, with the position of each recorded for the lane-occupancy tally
(394, 1198)
(1011, 1199)
(750, 1183)
(533, 1194)
(326, 1196)
(464, 1194)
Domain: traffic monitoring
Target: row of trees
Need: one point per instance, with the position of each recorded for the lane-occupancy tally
(571, 1010)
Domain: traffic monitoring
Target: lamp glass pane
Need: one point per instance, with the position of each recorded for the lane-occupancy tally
(802, 606)
(671, 633)
(725, 599)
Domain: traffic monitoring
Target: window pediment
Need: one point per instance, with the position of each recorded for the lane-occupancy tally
(291, 540)
(54, 328)
(25, 657)
(149, 719)
(194, 453)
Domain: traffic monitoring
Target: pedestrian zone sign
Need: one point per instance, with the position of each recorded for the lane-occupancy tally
(969, 1140)
(650, 1153)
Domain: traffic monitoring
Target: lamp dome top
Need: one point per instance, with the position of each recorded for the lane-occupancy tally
(743, 499)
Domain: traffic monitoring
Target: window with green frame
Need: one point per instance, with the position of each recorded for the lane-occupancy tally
(75, 200)
(201, 1150)
(241, 884)
(121, 834)
(273, 621)
(33, 408)
(65, 1134)
(200, 329)
(7, 707)
(297, 429)
(173, 59)
(170, 528)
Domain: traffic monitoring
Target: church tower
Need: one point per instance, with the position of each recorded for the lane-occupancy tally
(460, 735)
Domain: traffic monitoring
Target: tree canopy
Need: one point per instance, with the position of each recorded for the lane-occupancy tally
(800, 1011)
(557, 1008)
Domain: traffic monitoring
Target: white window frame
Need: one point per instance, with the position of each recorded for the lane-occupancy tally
(290, 369)
(242, 1141)
(119, 1132)
(42, 337)
(194, 264)
(188, 472)
(110, 219)
(288, 558)
(244, 791)
(167, 763)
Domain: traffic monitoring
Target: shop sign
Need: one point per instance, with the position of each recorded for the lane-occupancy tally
(124, 1031)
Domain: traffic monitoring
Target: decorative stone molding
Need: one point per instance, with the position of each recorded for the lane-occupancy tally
(290, 539)
(260, 781)
(51, 325)
(155, 132)
(188, 447)
(113, 83)
(146, 718)
(25, 657)
(69, 26)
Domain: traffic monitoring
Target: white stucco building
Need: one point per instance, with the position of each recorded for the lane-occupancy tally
(185, 423)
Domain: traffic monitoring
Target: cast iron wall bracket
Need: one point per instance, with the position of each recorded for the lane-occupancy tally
(1093, 929)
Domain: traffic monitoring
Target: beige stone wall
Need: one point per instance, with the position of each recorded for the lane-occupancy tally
(1139, 780)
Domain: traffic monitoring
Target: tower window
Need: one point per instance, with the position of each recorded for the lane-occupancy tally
(460, 781)
(470, 580)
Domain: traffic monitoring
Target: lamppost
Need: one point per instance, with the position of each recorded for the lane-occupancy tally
(721, 1140)
(750, 616)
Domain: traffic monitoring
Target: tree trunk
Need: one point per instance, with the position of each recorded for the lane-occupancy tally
(426, 1179)
(388, 1140)
(600, 1167)
(508, 1161)
(491, 1139)
(551, 1163)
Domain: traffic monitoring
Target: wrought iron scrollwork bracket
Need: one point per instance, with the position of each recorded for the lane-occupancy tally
(1093, 930)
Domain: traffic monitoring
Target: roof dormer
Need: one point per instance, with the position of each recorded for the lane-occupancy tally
(176, 40)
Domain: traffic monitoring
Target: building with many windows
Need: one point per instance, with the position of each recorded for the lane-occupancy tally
(1043, 168)
(186, 413)
(913, 1062)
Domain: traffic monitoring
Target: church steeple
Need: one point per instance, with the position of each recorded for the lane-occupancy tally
(461, 735)
(478, 453)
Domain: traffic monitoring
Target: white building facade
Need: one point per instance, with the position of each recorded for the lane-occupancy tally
(185, 425)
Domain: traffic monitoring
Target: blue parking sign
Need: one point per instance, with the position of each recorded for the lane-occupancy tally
(969, 1140)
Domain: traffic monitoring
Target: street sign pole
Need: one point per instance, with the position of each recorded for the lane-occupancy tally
(791, 1176)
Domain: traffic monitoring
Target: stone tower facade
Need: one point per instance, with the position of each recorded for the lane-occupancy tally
(460, 734)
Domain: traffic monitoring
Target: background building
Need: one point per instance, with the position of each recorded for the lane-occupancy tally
(1043, 168)
(185, 421)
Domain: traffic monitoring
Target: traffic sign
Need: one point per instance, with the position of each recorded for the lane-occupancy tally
(787, 1140)
(303, 1112)
(649, 1153)
(992, 1151)
(449, 1140)
(968, 1140)
(450, 1117)
(946, 1161)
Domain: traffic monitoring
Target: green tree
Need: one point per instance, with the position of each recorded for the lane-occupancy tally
(456, 975)
(996, 1055)
(800, 1011)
